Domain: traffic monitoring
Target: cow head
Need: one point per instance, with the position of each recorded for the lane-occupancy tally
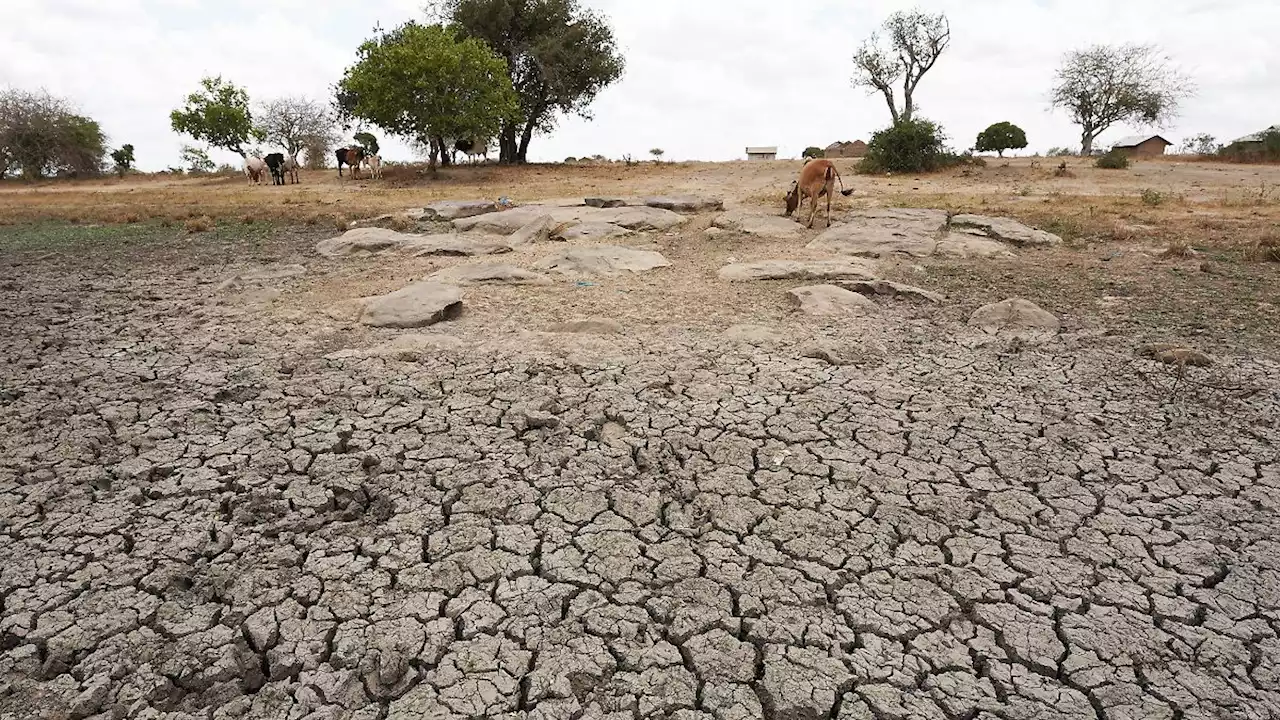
(793, 198)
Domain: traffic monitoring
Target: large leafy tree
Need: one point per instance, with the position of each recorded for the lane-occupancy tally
(914, 42)
(1107, 84)
(1000, 137)
(296, 123)
(219, 115)
(426, 83)
(559, 56)
(42, 134)
(123, 158)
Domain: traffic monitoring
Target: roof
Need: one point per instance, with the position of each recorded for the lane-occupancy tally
(1257, 137)
(1136, 140)
(762, 150)
(845, 144)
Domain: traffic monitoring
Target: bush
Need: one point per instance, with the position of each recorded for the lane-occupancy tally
(1059, 152)
(1114, 160)
(813, 152)
(1152, 197)
(907, 147)
(199, 224)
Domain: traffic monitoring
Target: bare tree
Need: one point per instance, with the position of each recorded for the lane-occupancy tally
(1107, 84)
(915, 42)
(297, 124)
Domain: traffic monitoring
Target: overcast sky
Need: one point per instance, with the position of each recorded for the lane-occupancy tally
(704, 78)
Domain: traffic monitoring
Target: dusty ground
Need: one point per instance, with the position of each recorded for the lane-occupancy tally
(229, 503)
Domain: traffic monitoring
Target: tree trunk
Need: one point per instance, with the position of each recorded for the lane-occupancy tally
(1086, 142)
(893, 109)
(1000, 153)
(435, 151)
(522, 156)
(507, 147)
(908, 107)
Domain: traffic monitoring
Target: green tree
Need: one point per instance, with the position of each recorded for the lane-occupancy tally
(196, 160)
(367, 141)
(813, 151)
(907, 146)
(425, 83)
(559, 57)
(1000, 137)
(42, 134)
(123, 158)
(219, 115)
(1104, 85)
(916, 41)
(657, 154)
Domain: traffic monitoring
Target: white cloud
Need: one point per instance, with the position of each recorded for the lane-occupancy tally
(704, 79)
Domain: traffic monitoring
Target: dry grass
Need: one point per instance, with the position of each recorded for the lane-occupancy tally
(1266, 249)
(203, 223)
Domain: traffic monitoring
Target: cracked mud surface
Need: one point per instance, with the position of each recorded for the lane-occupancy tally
(206, 514)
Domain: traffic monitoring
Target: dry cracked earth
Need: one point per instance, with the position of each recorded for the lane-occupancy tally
(206, 514)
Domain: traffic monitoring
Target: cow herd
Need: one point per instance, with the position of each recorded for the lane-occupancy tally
(279, 167)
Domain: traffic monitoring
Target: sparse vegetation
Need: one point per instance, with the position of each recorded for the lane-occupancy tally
(196, 160)
(1203, 145)
(915, 42)
(1267, 249)
(1152, 198)
(200, 224)
(657, 154)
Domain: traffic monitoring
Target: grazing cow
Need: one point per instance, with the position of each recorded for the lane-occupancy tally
(473, 149)
(374, 163)
(817, 178)
(255, 169)
(275, 162)
(291, 167)
(351, 157)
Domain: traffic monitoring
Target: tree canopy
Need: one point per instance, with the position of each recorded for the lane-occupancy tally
(367, 141)
(1105, 84)
(296, 123)
(559, 57)
(123, 159)
(218, 115)
(42, 134)
(915, 42)
(1000, 137)
(425, 83)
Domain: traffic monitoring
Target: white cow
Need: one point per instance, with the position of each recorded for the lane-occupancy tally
(255, 169)
(291, 168)
(374, 163)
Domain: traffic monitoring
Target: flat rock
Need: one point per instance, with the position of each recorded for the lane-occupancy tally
(418, 305)
(605, 202)
(362, 241)
(454, 209)
(831, 300)
(760, 225)
(591, 231)
(890, 288)
(749, 334)
(884, 232)
(482, 273)
(507, 222)
(601, 260)
(536, 230)
(453, 244)
(685, 203)
(1006, 230)
(590, 326)
(799, 270)
(1014, 314)
(968, 245)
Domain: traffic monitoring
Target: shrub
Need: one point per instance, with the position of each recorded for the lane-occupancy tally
(813, 152)
(1266, 250)
(908, 146)
(1114, 160)
(1152, 197)
(570, 160)
(1059, 152)
(199, 224)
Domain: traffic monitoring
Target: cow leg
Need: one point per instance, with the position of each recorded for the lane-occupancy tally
(813, 209)
(828, 209)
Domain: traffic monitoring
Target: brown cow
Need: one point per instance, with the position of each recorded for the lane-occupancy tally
(352, 156)
(817, 178)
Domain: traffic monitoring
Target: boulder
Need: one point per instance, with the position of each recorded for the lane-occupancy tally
(591, 326)
(831, 300)
(799, 270)
(605, 202)
(685, 203)
(488, 273)
(536, 230)
(890, 288)
(418, 305)
(884, 232)
(591, 231)
(453, 244)
(454, 209)
(768, 226)
(601, 260)
(362, 241)
(1005, 230)
(1014, 314)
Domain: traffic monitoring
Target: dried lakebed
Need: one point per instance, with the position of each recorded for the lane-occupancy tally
(208, 515)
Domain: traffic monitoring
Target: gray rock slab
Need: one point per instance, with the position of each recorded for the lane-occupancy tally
(890, 289)
(454, 244)
(1014, 314)
(591, 231)
(842, 269)
(604, 260)
(483, 273)
(1006, 230)
(759, 224)
(829, 300)
(418, 305)
(454, 209)
(685, 203)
